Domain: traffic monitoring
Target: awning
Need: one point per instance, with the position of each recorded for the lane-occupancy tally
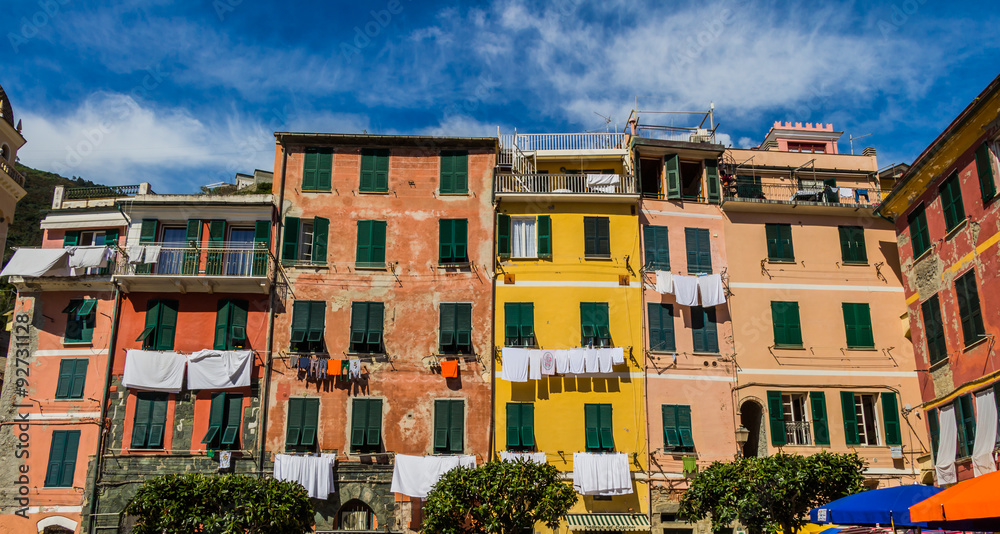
(620, 522)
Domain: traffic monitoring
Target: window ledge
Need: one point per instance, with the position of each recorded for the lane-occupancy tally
(975, 343)
(599, 258)
(958, 227)
(78, 343)
(939, 364)
(305, 264)
(789, 347)
(862, 349)
(370, 267)
(856, 263)
(316, 190)
(706, 354)
(461, 194)
(924, 254)
(464, 265)
(368, 357)
(770, 260)
(364, 192)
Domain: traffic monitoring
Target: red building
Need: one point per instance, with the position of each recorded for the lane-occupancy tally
(947, 215)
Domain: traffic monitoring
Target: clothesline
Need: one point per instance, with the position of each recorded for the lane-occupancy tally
(521, 364)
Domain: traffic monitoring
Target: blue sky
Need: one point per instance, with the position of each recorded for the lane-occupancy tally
(182, 94)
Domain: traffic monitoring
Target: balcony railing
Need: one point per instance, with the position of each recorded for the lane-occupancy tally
(798, 433)
(569, 184)
(789, 192)
(675, 133)
(12, 172)
(104, 191)
(225, 260)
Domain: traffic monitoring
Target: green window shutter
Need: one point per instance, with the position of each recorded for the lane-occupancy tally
(238, 323)
(193, 233)
(513, 425)
(148, 335)
(324, 168)
(890, 414)
(773, 247)
(191, 257)
(147, 233)
(140, 422)
(858, 325)
(321, 231)
(222, 316)
(850, 418)
(378, 242)
(215, 420)
(460, 240)
(261, 242)
(592, 426)
(446, 241)
(71, 238)
(602, 322)
(454, 171)
(966, 425)
(79, 378)
(779, 242)
(293, 431)
(374, 422)
(673, 170)
(699, 250)
(847, 254)
(300, 320)
(382, 171)
(935, 431)
(590, 236)
(72, 442)
(168, 325)
(376, 316)
(111, 237)
(216, 240)
(317, 320)
(447, 172)
(456, 427)
(512, 320)
(364, 255)
(441, 426)
(527, 324)
(309, 166)
(359, 324)
(604, 236)
(919, 237)
(684, 426)
(588, 328)
(528, 424)
(671, 438)
(463, 326)
(446, 326)
(951, 201)
(852, 244)
(657, 248)
(937, 349)
(787, 328)
(820, 428)
(310, 422)
(776, 417)
(290, 241)
(661, 327)
(969, 311)
(704, 330)
(67, 368)
(462, 173)
(712, 176)
(984, 169)
(234, 415)
(503, 235)
(57, 450)
(865, 334)
(359, 424)
(157, 421)
(544, 229)
(851, 325)
(607, 430)
(367, 171)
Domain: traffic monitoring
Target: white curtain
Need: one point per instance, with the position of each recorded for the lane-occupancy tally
(986, 434)
(523, 241)
(947, 446)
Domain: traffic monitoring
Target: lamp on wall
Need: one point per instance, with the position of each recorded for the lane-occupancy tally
(742, 435)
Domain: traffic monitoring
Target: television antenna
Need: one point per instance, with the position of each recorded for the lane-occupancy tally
(851, 138)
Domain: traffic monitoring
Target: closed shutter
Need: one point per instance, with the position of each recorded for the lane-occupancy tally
(310, 422)
(890, 414)
(374, 422)
(382, 171)
(984, 169)
(603, 236)
(216, 240)
(300, 320)
(602, 322)
(512, 321)
(937, 349)
(919, 237)
(359, 324)
(779, 242)
(222, 315)
(544, 229)
(463, 326)
(852, 244)
(140, 421)
(657, 248)
(456, 426)
(671, 438)
(147, 232)
(234, 414)
(858, 325)
(968, 307)
(776, 417)
(503, 235)
(527, 324)
(367, 171)
(592, 426)
(321, 231)
(588, 326)
(290, 241)
(513, 425)
(378, 243)
(359, 422)
(935, 431)
(528, 425)
(168, 325)
(324, 168)
(699, 250)
(215, 420)
(309, 165)
(79, 378)
(684, 426)
(607, 430)
(57, 449)
(317, 320)
(441, 415)
(72, 441)
(447, 173)
(446, 327)
(590, 236)
(704, 330)
(293, 432)
(787, 328)
(157, 421)
(67, 368)
(71, 238)
(951, 202)
(850, 418)
(820, 427)
(364, 254)
(661, 327)
(238, 324)
(461, 170)
(712, 177)
(376, 313)
(672, 165)
(460, 241)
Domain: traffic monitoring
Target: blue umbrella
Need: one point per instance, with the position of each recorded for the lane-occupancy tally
(886, 506)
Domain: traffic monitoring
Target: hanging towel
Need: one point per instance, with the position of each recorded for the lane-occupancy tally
(846, 192)
(35, 262)
(515, 364)
(944, 466)
(712, 292)
(548, 362)
(604, 183)
(225, 459)
(414, 476)
(152, 254)
(219, 369)
(313, 472)
(858, 193)
(664, 282)
(604, 360)
(154, 371)
(534, 364)
(686, 290)
(536, 457)
(333, 367)
(449, 368)
(986, 434)
(135, 253)
(355, 368)
(590, 358)
(617, 356)
(601, 474)
(87, 257)
(562, 361)
(576, 361)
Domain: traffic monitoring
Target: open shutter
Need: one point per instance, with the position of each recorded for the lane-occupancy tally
(310, 420)
(140, 422)
(603, 321)
(446, 239)
(456, 426)
(359, 422)
(527, 325)
(157, 421)
(513, 425)
(72, 442)
(300, 321)
(592, 426)
(441, 414)
(821, 429)
(776, 417)
(528, 425)
(378, 242)
(376, 315)
(544, 229)
(290, 242)
(503, 235)
(359, 322)
(850, 418)
(655, 317)
(147, 232)
(684, 426)
(293, 432)
(71, 238)
(463, 326)
(234, 415)
(261, 242)
(79, 378)
(148, 336)
(607, 431)
(374, 422)
(671, 438)
(67, 368)
(321, 230)
(57, 450)
(367, 171)
(216, 241)
(512, 319)
(935, 431)
(672, 165)
(712, 177)
(238, 323)
(984, 169)
(446, 328)
(382, 171)
(967, 424)
(215, 418)
(192, 243)
(222, 315)
(168, 325)
(317, 320)
(587, 327)
(890, 414)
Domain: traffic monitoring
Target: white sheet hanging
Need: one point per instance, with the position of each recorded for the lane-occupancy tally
(535, 364)
(219, 369)
(944, 465)
(152, 254)
(135, 253)
(986, 434)
(536, 457)
(154, 370)
(87, 257)
(313, 472)
(601, 474)
(34, 262)
(664, 282)
(591, 358)
(604, 183)
(415, 476)
(686, 290)
(617, 356)
(562, 361)
(712, 292)
(515, 364)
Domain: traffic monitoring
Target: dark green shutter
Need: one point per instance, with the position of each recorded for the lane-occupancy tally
(57, 450)
(215, 419)
(367, 171)
(191, 257)
(359, 323)
(324, 168)
(787, 327)
(290, 242)
(590, 236)
(779, 242)
(140, 421)
(984, 169)
(310, 420)
(512, 320)
(503, 235)
(456, 426)
(820, 427)
(300, 321)
(661, 327)
(672, 165)
(441, 415)
(969, 311)
(71, 238)
(704, 330)
(699, 250)
(317, 320)
(656, 248)
(592, 426)
(321, 231)
(607, 430)
(937, 349)
(374, 422)
(966, 425)
(69, 457)
(216, 241)
(261, 242)
(446, 240)
(527, 324)
(376, 316)
(890, 414)
(148, 335)
(168, 325)
(309, 165)
(712, 176)
(919, 236)
(359, 423)
(460, 242)
(157, 422)
(463, 326)
(378, 242)
(79, 378)
(603, 236)
(671, 438)
(858, 325)
(364, 255)
(234, 415)
(850, 418)
(222, 316)
(684, 426)
(67, 369)
(447, 172)
(293, 432)
(852, 244)
(446, 326)
(147, 233)
(951, 201)
(111, 237)
(461, 170)
(238, 323)
(587, 327)
(935, 431)
(528, 424)
(776, 417)
(382, 171)
(544, 227)
(513, 425)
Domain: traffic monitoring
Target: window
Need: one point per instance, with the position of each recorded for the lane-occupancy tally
(62, 459)
(316, 169)
(520, 426)
(661, 327)
(597, 237)
(691, 174)
(920, 237)
(453, 240)
(810, 148)
(308, 326)
(789, 422)
(787, 328)
(366, 425)
(933, 426)
(305, 240)
(81, 317)
(524, 237)
(454, 172)
(985, 157)
(88, 238)
(72, 378)
(150, 420)
(864, 413)
(519, 324)
(599, 427)
(656, 248)
(356, 515)
(366, 326)
(699, 250)
(456, 328)
(852, 244)
(224, 422)
(303, 416)
(649, 172)
(951, 202)
(937, 348)
(968, 308)
(371, 245)
(449, 426)
(594, 329)
(161, 324)
(677, 434)
(374, 171)
(704, 330)
(779, 242)
(966, 425)
(231, 324)
(749, 186)
(858, 325)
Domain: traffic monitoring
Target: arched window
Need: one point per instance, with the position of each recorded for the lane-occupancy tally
(356, 515)
(5, 152)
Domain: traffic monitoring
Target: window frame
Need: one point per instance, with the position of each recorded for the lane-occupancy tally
(966, 286)
(371, 244)
(597, 237)
(952, 205)
(458, 174)
(378, 177)
(364, 436)
(72, 378)
(988, 158)
(920, 238)
(595, 316)
(231, 317)
(678, 433)
(599, 425)
(372, 340)
(302, 424)
(319, 162)
(860, 415)
(157, 334)
(852, 245)
(965, 418)
(85, 324)
(517, 420)
(792, 401)
(863, 331)
(225, 422)
(308, 332)
(448, 431)
(698, 246)
(525, 329)
(780, 247)
(453, 241)
(154, 421)
(783, 322)
(455, 333)
(709, 335)
(656, 247)
(60, 472)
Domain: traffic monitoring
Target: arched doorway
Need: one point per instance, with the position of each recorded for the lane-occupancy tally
(751, 417)
(356, 515)
(5, 152)
(56, 525)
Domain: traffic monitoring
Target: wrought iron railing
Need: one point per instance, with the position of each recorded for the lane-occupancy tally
(12, 172)
(567, 184)
(798, 433)
(749, 191)
(170, 259)
(103, 191)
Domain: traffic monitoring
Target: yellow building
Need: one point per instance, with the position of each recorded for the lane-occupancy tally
(567, 266)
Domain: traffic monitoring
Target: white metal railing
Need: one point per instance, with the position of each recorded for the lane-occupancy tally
(12, 172)
(798, 433)
(221, 259)
(567, 184)
(565, 141)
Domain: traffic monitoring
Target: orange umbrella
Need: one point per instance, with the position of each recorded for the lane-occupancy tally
(977, 498)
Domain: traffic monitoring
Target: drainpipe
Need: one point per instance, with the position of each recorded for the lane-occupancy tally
(272, 293)
(99, 461)
(493, 319)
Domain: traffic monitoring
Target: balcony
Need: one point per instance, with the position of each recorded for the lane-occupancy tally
(749, 194)
(798, 432)
(580, 187)
(104, 191)
(226, 268)
(519, 152)
(15, 176)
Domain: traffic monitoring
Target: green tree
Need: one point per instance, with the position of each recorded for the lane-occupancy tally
(497, 498)
(765, 494)
(220, 504)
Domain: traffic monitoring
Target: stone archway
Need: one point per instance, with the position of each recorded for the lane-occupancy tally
(752, 418)
(56, 525)
(356, 515)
